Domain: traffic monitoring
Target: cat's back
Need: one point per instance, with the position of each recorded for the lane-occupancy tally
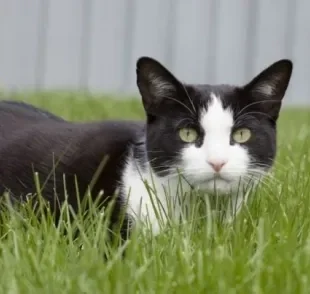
(27, 129)
(78, 148)
(27, 126)
(22, 111)
(17, 115)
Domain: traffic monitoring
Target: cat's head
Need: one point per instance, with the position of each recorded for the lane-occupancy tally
(215, 135)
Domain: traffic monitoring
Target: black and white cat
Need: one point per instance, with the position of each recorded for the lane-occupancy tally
(212, 138)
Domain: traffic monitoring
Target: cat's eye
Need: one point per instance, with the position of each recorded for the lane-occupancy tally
(242, 135)
(188, 135)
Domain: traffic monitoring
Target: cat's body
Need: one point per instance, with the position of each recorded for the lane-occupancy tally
(196, 137)
(34, 142)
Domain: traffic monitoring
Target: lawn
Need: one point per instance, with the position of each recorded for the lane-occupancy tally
(266, 250)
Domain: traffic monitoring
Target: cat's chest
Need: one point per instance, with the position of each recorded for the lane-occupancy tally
(150, 199)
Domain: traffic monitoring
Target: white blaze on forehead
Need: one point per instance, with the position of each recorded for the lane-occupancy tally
(217, 123)
(215, 118)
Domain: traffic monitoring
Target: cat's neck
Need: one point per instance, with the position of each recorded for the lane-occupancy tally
(148, 195)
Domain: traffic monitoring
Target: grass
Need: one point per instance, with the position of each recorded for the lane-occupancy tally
(266, 250)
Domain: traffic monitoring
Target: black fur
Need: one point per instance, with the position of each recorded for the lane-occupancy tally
(32, 140)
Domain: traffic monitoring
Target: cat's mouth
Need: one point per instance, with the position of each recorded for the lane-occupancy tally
(214, 179)
(218, 178)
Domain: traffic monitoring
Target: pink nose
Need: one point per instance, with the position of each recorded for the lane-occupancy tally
(217, 166)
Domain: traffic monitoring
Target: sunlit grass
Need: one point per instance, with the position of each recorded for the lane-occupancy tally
(267, 249)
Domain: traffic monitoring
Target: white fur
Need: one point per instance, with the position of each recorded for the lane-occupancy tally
(153, 205)
(160, 87)
(217, 124)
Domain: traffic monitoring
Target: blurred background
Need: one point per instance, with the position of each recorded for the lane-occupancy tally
(93, 45)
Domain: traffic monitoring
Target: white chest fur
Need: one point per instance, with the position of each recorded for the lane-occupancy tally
(152, 200)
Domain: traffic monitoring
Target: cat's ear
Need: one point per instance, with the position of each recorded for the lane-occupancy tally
(156, 84)
(268, 88)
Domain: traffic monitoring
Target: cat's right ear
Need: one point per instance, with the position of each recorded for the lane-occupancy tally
(268, 88)
(155, 84)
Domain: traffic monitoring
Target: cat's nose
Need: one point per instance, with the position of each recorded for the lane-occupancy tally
(217, 165)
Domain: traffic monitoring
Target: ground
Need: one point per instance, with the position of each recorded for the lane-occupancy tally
(266, 250)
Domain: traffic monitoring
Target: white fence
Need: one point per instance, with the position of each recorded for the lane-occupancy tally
(94, 44)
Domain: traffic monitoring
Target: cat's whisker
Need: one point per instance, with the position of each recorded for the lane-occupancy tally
(256, 171)
(245, 116)
(253, 174)
(275, 162)
(263, 176)
(181, 103)
(189, 98)
(182, 122)
(255, 103)
(248, 114)
(260, 180)
(266, 174)
(278, 165)
(263, 184)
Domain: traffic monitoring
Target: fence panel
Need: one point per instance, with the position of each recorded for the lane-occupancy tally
(94, 44)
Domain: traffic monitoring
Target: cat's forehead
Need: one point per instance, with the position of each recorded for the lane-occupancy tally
(205, 93)
(215, 115)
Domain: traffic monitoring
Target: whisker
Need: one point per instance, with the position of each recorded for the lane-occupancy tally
(190, 100)
(248, 114)
(255, 102)
(268, 167)
(260, 181)
(181, 103)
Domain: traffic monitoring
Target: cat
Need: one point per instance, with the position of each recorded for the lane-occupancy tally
(196, 137)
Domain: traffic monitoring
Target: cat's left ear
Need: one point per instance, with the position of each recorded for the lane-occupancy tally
(159, 89)
(268, 88)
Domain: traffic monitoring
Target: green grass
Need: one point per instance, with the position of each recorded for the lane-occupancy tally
(267, 249)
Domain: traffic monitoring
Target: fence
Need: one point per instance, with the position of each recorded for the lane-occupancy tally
(94, 44)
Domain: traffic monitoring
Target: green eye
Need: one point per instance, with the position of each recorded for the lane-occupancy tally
(188, 135)
(242, 135)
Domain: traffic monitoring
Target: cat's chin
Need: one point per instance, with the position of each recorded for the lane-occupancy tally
(221, 186)
(215, 186)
